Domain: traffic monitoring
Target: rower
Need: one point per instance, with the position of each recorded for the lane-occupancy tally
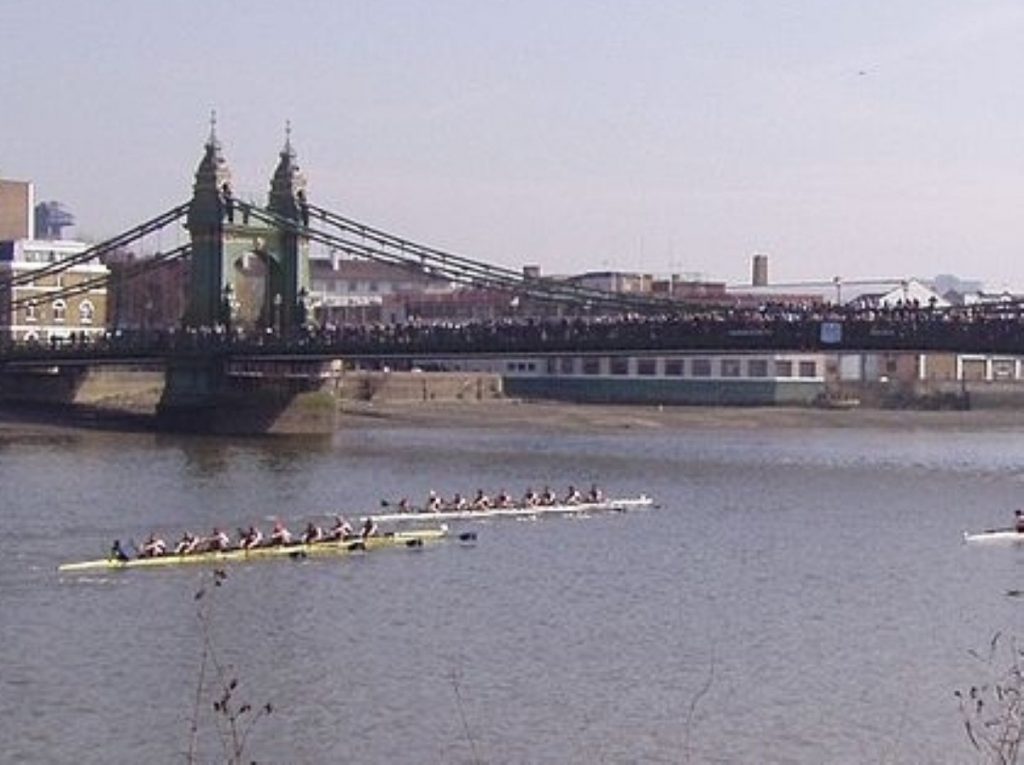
(312, 534)
(342, 529)
(280, 535)
(548, 497)
(186, 545)
(403, 505)
(503, 499)
(433, 502)
(369, 528)
(482, 501)
(117, 553)
(459, 502)
(218, 541)
(572, 497)
(595, 494)
(153, 547)
(1019, 521)
(252, 538)
(530, 499)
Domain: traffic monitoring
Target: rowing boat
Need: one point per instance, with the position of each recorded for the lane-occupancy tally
(1005, 536)
(414, 538)
(520, 511)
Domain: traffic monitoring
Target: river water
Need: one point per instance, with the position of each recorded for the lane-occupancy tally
(800, 596)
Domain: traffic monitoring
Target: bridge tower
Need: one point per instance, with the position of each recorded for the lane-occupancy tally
(247, 273)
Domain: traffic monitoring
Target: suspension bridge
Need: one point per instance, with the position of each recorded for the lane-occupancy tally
(275, 316)
(261, 320)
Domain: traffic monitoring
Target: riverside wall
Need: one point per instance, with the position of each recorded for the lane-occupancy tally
(139, 396)
(419, 386)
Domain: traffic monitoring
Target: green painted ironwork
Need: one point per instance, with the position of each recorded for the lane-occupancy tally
(247, 274)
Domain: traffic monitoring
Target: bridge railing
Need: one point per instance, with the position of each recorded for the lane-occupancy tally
(634, 335)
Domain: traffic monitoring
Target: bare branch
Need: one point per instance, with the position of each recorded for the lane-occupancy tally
(693, 705)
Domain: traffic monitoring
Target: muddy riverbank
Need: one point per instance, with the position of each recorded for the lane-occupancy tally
(553, 418)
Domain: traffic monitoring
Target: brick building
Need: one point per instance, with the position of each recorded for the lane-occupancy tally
(146, 300)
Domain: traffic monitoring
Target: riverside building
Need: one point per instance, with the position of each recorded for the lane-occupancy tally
(38, 303)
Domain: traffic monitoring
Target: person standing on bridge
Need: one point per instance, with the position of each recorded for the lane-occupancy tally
(300, 195)
(228, 201)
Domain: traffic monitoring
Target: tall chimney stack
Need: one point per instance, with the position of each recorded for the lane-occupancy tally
(759, 276)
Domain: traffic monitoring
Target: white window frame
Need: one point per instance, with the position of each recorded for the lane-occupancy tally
(86, 312)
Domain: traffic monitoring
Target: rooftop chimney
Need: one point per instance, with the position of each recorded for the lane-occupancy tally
(759, 276)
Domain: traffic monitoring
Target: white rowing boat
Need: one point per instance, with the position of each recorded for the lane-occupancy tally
(1004, 536)
(519, 511)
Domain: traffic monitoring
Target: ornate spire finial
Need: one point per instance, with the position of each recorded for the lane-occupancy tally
(213, 128)
(287, 180)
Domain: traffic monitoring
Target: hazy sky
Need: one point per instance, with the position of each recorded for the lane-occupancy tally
(860, 139)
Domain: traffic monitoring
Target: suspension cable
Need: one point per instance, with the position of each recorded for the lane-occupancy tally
(512, 277)
(455, 268)
(120, 240)
(131, 272)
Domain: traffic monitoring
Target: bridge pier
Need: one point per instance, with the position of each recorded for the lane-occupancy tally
(232, 396)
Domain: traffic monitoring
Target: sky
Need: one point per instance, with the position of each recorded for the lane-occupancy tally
(881, 138)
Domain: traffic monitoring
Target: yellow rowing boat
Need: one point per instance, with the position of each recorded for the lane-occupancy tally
(414, 538)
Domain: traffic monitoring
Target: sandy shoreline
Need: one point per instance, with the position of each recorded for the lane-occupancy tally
(554, 417)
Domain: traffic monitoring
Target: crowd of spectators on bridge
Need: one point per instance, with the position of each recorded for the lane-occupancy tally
(767, 326)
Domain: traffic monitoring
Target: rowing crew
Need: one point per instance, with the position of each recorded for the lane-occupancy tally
(503, 500)
(248, 539)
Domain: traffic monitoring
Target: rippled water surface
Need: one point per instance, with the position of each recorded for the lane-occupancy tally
(801, 596)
